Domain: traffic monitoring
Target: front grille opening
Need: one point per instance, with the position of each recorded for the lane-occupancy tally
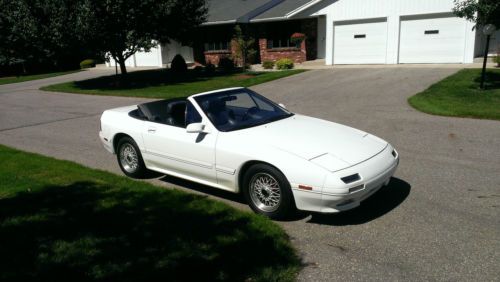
(356, 188)
(351, 178)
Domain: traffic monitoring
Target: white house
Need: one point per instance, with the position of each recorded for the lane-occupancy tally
(345, 32)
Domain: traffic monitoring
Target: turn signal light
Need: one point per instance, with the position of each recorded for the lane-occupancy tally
(305, 187)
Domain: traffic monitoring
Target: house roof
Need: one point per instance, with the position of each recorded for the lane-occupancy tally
(284, 10)
(232, 11)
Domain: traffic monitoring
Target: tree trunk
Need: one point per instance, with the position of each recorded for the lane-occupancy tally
(121, 62)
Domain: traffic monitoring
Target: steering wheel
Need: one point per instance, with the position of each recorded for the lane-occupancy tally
(250, 111)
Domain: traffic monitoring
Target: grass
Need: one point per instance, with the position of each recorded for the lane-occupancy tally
(60, 221)
(163, 84)
(459, 95)
(22, 78)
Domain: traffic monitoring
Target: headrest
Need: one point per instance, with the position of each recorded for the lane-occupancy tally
(176, 106)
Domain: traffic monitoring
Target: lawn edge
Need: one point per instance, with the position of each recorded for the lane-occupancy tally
(51, 76)
(49, 88)
(411, 101)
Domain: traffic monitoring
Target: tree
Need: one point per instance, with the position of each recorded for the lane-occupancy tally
(481, 12)
(123, 27)
(243, 46)
(38, 32)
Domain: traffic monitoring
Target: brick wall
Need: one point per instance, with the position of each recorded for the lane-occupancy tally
(298, 55)
(214, 57)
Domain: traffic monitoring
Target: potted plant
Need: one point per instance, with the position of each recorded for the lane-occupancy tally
(297, 38)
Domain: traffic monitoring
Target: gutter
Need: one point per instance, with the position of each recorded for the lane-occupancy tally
(289, 14)
(302, 8)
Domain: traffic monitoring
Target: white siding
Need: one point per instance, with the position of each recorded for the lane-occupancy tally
(173, 48)
(393, 10)
(158, 56)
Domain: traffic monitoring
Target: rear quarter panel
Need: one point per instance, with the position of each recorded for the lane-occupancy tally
(118, 121)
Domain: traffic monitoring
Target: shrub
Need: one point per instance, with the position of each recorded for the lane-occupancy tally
(198, 69)
(226, 64)
(88, 63)
(268, 65)
(178, 64)
(496, 59)
(209, 68)
(284, 64)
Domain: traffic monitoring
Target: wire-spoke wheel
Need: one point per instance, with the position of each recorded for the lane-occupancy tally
(268, 191)
(129, 158)
(265, 192)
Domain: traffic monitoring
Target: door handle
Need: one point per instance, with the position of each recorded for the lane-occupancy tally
(151, 130)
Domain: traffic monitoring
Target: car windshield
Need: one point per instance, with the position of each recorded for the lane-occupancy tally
(240, 108)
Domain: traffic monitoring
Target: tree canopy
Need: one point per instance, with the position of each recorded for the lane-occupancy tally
(56, 31)
(123, 27)
(38, 32)
(481, 12)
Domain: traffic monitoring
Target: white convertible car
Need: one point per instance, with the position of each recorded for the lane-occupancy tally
(237, 140)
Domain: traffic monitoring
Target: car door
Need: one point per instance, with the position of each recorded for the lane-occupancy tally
(173, 149)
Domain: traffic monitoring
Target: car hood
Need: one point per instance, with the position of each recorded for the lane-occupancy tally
(330, 145)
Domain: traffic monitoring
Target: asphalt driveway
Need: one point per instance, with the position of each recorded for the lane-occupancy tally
(439, 219)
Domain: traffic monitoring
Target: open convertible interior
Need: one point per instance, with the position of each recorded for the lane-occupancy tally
(170, 112)
(228, 110)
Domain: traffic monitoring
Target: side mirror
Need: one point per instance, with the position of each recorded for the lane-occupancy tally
(195, 128)
(281, 105)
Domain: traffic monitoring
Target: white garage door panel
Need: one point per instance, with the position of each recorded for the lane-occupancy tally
(368, 50)
(148, 59)
(447, 46)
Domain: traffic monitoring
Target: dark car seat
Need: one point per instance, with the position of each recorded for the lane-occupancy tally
(216, 111)
(176, 113)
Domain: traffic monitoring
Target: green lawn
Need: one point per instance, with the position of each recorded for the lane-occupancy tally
(22, 78)
(162, 84)
(60, 221)
(459, 95)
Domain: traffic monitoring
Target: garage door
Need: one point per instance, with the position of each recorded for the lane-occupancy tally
(434, 40)
(148, 59)
(360, 43)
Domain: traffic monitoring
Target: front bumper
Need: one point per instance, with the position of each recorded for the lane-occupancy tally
(377, 173)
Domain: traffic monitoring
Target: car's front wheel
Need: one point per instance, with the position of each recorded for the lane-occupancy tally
(268, 192)
(130, 159)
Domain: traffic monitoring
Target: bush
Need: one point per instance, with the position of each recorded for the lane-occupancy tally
(88, 63)
(209, 68)
(496, 59)
(284, 64)
(268, 65)
(178, 64)
(226, 64)
(198, 69)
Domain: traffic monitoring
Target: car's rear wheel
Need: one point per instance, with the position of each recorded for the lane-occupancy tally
(129, 158)
(268, 192)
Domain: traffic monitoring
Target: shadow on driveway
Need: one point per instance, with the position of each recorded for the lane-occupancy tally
(204, 189)
(382, 202)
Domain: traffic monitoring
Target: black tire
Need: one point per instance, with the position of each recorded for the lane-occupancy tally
(256, 176)
(132, 167)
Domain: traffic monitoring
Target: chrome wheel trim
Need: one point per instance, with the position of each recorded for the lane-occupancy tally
(265, 192)
(129, 158)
